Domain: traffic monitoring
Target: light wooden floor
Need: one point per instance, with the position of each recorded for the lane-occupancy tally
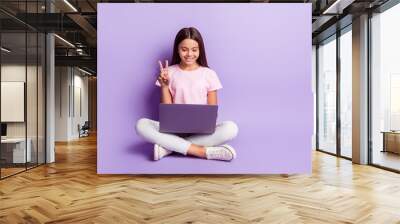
(10, 171)
(387, 159)
(70, 191)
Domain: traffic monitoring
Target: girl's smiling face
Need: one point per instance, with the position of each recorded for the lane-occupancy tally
(189, 52)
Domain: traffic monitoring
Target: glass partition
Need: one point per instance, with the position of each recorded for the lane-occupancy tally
(22, 78)
(327, 95)
(13, 108)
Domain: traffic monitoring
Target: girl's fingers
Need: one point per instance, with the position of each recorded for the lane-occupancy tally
(163, 75)
(166, 73)
(161, 79)
(161, 67)
(163, 71)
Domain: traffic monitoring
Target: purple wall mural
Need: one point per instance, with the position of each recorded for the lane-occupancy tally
(262, 55)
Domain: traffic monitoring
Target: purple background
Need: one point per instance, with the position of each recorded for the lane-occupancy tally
(262, 54)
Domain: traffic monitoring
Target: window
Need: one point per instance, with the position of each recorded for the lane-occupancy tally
(327, 95)
(346, 92)
(385, 88)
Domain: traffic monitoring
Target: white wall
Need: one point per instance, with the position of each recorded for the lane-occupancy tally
(15, 72)
(80, 103)
(62, 81)
(70, 83)
(12, 73)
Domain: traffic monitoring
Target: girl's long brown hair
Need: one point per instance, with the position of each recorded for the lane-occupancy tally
(194, 34)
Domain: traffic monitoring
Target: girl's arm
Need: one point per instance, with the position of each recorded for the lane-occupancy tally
(165, 95)
(212, 98)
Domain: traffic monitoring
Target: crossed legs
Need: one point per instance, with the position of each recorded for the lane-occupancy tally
(194, 145)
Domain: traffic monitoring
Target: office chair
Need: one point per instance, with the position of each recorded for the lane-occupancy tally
(84, 130)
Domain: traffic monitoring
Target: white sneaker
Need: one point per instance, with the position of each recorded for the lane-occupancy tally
(223, 152)
(159, 152)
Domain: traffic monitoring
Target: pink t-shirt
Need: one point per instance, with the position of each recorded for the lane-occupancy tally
(191, 87)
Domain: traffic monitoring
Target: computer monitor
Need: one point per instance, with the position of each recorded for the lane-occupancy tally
(3, 129)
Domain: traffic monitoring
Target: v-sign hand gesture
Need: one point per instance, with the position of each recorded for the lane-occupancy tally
(163, 78)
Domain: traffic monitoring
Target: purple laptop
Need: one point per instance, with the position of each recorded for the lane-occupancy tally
(187, 118)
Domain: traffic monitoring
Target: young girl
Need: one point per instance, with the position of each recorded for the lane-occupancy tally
(189, 81)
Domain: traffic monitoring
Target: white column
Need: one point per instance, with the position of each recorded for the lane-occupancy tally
(360, 90)
(50, 92)
(50, 100)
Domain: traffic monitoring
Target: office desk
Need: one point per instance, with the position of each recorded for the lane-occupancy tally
(13, 150)
(391, 141)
